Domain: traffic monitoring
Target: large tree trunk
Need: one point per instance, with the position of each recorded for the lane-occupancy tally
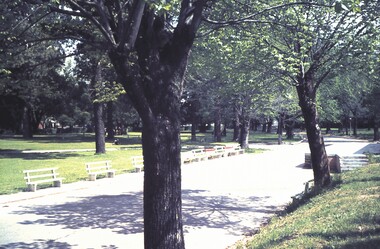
(100, 143)
(217, 125)
(100, 146)
(280, 127)
(194, 131)
(289, 127)
(162, 184)
(306, 95)
(156, 97)
(269, 125)
(110, 126)
(376, 135)
(151, 70)
(244, 133)
(236, 123)
(27, 129)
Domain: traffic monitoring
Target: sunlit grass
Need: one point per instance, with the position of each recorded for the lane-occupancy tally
(71, 166)
(71, 163)
(347, 216)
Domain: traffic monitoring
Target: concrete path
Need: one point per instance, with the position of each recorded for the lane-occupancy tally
(223, 200)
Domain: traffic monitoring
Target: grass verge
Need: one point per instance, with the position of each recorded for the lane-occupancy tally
(347, 216)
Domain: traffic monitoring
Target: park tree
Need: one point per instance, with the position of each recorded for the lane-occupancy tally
(234, 82)
(309, 46)
(148, 44)
(31, 83)
(94, 68)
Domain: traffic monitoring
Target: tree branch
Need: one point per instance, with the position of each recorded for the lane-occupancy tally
(251, 18)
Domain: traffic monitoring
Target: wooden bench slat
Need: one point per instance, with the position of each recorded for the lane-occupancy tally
(99, 167)
(47, 180)
(41, 176)
(38, 170)
(99, 162)
(102, 171)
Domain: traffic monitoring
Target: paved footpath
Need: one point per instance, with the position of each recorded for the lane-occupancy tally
(223, 200)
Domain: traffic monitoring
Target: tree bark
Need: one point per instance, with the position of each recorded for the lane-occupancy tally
(264, 127)
(289, 127)
(110, 126)
(244, 133)
(151, 70)
(193, 131)
(100, 143)
(281, 118)
(100, 146)
(218, 125)
(154, 82)
(27, 131)
(376, 135)
(162, 184)
(269, 125)
(236, 123)
(306, 95)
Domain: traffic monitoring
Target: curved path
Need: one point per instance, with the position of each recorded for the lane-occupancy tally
(223, 200)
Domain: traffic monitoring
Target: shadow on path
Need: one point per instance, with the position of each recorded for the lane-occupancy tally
(120, 213)
(123, 214)
(40, 244)
(224, 212)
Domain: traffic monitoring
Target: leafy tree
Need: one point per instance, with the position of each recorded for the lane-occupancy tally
(29, 74)
(148, 44)
(309, 45)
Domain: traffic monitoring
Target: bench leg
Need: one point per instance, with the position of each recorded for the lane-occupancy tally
(32, 187)
(91, 177)
(110, 174)
(58, 183)
(137, 169)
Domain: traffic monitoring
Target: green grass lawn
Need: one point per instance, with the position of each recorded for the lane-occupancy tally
(72, 164)
(347, 216)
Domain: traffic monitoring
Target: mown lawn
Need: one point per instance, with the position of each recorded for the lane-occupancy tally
(347, 216)
(71, 164)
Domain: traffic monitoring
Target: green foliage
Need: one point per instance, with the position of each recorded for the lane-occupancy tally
(106, 91)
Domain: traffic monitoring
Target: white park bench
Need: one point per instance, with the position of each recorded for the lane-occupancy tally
(97, 168)
(219, 151)
(234, 150)
(187, 157)
(199, 155)
(138, 163)
(44, 175)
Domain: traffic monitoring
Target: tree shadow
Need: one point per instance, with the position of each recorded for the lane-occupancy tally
(123, 214)
(369, 148)
(367, 179)
(17, 154)
(352, 239)
(58, 138)
(230, 213)
(120, 213)
(41, 244)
